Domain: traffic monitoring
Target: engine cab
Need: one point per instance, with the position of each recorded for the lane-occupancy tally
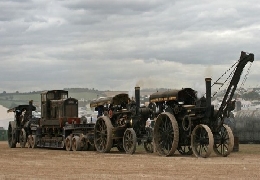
(57, 109)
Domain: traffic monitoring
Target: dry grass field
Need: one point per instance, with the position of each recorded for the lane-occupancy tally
(24, 163)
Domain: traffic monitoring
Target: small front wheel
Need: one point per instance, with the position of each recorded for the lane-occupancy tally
(223, 141)
(129, 141)
(202, 141)
(148, 146)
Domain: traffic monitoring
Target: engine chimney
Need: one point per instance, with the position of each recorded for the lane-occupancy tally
(208, 96)
(137, 99)
(30, 107)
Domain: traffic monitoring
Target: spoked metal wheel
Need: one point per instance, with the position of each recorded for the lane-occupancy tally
(202, 141)
(103, 134)
(68, 143)
(11, 137)
(185, 150)
(223, 141)
(166, 134)
(23, 138)
(129, 141)
(75, 144)
(148, 146)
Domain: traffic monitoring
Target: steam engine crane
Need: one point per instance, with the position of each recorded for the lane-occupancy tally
(227, 104)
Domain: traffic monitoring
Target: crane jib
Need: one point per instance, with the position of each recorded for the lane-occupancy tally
(226, 102)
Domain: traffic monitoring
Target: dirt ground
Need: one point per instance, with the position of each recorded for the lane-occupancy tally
(24, 163)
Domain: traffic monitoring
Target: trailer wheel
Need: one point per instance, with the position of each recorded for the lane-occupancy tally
(202, 141)
(75, 144)
(68, 143)
(11, 136)
(22, 138)
(103, 134)
(166, 134)
(223, 141)
(129, 141)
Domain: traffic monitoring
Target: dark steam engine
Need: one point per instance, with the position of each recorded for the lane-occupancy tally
(121, 123)
(190, 121)
(191, 125)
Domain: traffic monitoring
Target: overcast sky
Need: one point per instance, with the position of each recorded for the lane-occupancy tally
(117, 44)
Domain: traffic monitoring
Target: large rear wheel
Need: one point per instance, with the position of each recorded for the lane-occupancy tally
(103, 134)
(11, 137)
(202, 141)
(223, 141)
(166, 134)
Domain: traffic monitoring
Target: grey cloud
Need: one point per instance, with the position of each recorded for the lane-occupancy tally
(113, 44)
(11, 10)
(116, 7)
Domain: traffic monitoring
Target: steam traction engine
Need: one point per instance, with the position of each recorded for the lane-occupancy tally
(18, 128)
(121, 123)
(59, 125)
(191, 125)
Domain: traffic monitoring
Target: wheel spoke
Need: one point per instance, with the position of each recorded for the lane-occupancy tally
(202, 141)
(129, 141)
(225, 141)
(166, 134)
(103, 134)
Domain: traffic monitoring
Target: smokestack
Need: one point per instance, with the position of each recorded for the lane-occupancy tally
(208, 96)
(137, 99)
(30, 107)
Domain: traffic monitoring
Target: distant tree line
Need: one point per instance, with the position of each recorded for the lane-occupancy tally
(17, 92)
(81, 89)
